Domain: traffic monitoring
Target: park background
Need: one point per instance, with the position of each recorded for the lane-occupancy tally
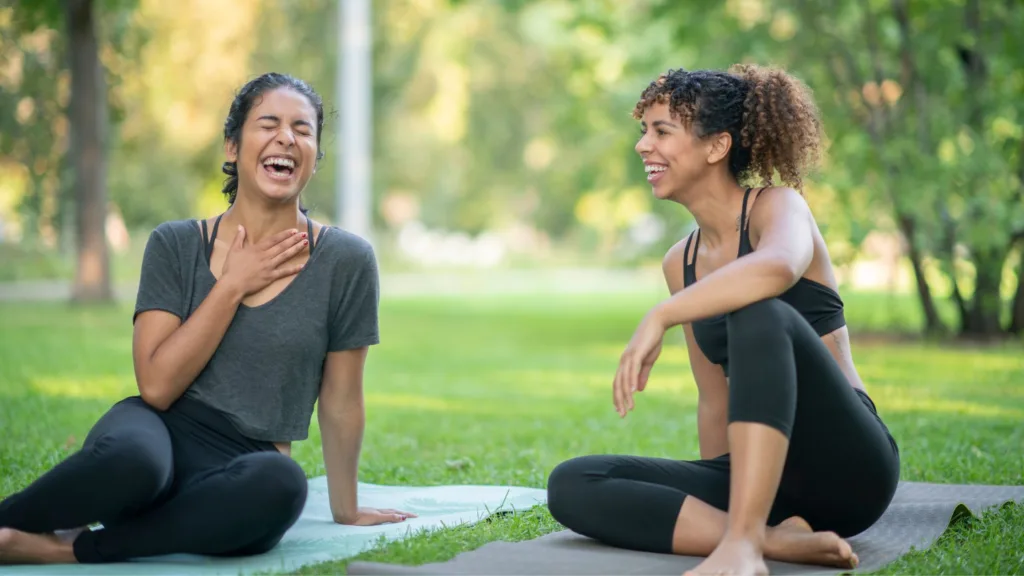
(518, 241)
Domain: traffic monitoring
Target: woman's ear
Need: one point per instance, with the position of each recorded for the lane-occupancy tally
(721, 144)
(230, 151)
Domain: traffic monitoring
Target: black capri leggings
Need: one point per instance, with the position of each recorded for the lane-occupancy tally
(842, 467)
(180, 481)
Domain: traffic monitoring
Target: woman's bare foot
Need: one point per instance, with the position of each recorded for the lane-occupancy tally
(794, 541)
(17, 547)
(733, 557)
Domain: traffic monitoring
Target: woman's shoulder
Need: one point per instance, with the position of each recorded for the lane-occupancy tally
(176, 235)
(185, 229)
(335, 242)
(344, 253)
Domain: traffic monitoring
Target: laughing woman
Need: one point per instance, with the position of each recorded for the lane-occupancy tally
(794, 455)
(241, 324)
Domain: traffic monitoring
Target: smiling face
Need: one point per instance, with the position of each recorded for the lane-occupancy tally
(673, 158)
(277, 149)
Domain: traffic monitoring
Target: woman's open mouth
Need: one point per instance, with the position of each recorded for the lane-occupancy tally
(279, 167)
(654, 172)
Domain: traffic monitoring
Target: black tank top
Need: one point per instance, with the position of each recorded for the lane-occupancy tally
(820, 305)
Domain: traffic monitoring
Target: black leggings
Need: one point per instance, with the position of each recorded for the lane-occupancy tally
(180, 481)
(842, 466)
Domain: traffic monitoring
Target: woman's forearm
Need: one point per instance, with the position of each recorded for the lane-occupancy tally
(165, 374)
(752, 278)
(341, 432)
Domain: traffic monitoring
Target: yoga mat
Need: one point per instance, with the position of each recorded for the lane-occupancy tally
(316, 538)
(918, 515)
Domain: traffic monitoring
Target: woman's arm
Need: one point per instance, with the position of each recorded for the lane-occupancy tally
(712, 387)
(785, 249)
(169, 354)
(342, 419)
(712, 401)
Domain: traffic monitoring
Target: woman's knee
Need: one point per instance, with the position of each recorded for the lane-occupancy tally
(567, 488)
(279, 483)
(143, 459)
(770, 313)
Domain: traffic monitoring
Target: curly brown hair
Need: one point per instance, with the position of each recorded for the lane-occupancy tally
(771, 116)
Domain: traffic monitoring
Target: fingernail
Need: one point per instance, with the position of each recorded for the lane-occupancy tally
(304, 242)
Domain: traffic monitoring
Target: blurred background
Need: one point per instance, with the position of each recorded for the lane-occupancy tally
(501, 143)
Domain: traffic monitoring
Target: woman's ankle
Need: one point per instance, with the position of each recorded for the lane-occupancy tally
(751, 532)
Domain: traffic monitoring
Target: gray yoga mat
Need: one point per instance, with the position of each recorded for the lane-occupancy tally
(919, 514)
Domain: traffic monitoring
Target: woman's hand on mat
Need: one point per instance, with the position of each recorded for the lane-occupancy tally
(375, 516)
(252, 267)
(636, 362)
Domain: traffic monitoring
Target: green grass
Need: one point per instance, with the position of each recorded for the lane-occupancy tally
(499, 390)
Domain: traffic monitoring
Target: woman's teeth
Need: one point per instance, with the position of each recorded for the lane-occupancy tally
(279, 168)
(653, 171)
(284, 162)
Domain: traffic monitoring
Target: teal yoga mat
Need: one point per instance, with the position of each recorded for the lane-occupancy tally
(316, 538)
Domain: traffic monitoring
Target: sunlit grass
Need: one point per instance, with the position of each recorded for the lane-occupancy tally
(486, 390)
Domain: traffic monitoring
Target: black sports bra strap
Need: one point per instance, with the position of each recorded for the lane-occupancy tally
(686, 250)
(743, 213)
(689, 260)
(323, 230)
(309, 234)
(206, 239)
(216, 226)
(213, 235)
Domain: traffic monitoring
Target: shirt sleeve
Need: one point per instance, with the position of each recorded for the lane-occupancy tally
(160, 278)
(356, 323)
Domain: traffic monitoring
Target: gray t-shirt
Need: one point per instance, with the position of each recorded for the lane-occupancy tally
(265, 375)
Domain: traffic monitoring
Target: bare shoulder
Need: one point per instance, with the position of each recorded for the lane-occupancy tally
(774, 202)
(782, 213)
(672, 265)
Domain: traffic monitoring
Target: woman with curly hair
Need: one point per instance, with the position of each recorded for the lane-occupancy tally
(794, 454)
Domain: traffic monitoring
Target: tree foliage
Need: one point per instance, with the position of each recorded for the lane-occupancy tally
(514, 117)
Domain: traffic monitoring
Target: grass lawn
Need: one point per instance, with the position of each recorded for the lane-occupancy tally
(500, 390)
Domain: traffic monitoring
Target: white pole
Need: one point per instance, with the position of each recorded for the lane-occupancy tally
(355, 89)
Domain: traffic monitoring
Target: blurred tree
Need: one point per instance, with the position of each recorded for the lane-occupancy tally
(88, 124)
(33, 127)
(922, 101)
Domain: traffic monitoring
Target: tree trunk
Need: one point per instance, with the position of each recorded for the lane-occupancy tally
(986, 304)
(932, 322)
(949, 260)
(88, 119)
(1017, 315)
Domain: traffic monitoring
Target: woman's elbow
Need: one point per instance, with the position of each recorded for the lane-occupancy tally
(154, 395)
(789, 274)
(776, 277)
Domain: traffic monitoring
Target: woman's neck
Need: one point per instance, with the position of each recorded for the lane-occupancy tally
(716, 207)
(262, 219)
